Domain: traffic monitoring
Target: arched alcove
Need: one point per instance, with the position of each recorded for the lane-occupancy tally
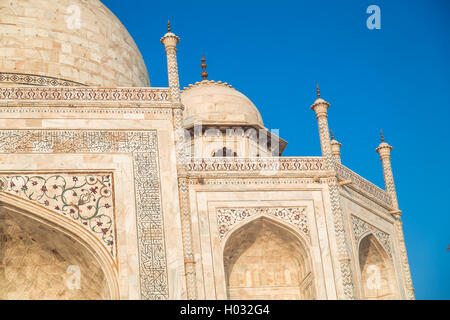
(377, 274)
(40, 262)
(264, 260)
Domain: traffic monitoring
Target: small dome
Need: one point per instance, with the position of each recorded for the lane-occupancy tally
(320, 100)
(335, 142)
(210, 102)
(384, 145)
(67, 42)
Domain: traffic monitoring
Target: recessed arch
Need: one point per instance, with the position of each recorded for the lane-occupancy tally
(41, 253)
(302, 237)
(377, 272)
(264, 259)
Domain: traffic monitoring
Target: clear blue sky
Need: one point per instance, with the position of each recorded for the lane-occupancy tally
(396, 78)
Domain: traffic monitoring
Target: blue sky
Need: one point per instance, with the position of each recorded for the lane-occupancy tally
(396, 78)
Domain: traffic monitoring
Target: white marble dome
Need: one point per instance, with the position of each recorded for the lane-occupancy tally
(217, 103)
(42, 44)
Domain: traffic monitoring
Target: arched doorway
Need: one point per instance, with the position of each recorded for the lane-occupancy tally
(40, 262)
(264, 260)
(377, 274)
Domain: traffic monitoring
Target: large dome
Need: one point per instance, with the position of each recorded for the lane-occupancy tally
(42, 44)
(216, 103)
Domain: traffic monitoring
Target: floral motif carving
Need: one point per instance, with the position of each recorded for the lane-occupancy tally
(227, 218)
(84, 198)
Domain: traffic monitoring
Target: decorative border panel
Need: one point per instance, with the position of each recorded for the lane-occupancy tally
(362, 228)
(227, 218)
(77, 94)
(143, 145)
(363, 184)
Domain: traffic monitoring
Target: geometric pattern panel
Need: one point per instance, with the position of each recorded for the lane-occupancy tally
(143, 146)
(36, 80)
(227, 218)
(362, 228)
(86, 199)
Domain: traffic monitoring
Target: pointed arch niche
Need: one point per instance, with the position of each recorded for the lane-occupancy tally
(265, 260)
(377, 273)
(40, 259)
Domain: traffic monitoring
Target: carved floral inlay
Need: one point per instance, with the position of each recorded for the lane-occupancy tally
(86, 199)
(362, 228)
(227, 218)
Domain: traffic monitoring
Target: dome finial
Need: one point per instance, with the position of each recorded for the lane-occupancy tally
(318, 91)
(203, 65)
(382, 137)
(168, 26)
(332, 135)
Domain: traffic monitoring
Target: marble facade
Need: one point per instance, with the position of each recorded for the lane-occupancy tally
(108, 179)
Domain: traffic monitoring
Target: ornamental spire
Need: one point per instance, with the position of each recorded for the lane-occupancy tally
(168, 26)
(203, 65)
(318, 91)
(384, 150)
(335, 148)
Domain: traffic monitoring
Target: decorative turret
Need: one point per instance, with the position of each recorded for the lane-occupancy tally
(335, 148)
(170, 41)
(320, 107)
(384, 150)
